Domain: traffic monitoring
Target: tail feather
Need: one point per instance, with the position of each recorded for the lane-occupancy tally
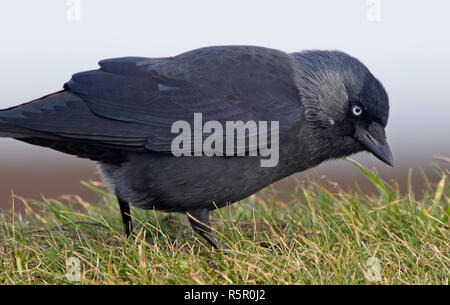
(41, 122)
(18, 132)
(10, 131)
(10, 128)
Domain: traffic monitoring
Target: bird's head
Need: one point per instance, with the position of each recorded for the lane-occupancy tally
(346, 107)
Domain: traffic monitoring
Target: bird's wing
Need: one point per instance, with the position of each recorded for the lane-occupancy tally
(132, 102)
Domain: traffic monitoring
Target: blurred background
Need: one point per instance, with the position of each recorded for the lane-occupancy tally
(404, 43)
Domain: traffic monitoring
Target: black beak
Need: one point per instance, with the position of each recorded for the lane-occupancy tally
(379, 148)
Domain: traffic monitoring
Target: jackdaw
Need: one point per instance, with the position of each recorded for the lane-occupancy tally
(327, 105)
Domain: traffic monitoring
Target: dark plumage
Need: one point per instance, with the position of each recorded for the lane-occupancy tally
(121, 116)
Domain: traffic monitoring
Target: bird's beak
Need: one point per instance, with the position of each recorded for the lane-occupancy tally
(374, 140)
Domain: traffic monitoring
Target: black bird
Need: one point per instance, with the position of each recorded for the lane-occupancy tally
(327, 103)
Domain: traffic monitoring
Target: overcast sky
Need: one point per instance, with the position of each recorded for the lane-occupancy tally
(406, 46)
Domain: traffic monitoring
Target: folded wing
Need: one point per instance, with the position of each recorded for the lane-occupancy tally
(131, 103)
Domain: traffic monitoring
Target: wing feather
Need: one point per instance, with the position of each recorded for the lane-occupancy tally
(132, 102)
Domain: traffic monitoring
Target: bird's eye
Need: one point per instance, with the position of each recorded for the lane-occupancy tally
(356, 110)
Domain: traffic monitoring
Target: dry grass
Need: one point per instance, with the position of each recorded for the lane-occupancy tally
(320, 237)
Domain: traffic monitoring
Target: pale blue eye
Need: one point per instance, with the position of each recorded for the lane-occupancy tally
(356, 110)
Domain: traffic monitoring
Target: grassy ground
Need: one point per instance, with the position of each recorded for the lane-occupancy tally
(319, 237)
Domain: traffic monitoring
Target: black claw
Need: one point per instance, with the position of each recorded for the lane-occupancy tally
(199, 220)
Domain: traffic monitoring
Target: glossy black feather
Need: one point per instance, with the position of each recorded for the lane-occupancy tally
(131, 103)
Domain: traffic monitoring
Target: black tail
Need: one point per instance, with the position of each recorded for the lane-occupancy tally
(11, 131)
(40, 122)
(9, 119)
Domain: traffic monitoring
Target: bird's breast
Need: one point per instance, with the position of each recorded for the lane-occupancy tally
(153, 180)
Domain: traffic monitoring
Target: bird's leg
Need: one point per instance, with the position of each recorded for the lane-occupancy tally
(199, 219)
(126, 216)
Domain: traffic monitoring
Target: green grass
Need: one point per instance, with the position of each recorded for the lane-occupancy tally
(320, 236)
